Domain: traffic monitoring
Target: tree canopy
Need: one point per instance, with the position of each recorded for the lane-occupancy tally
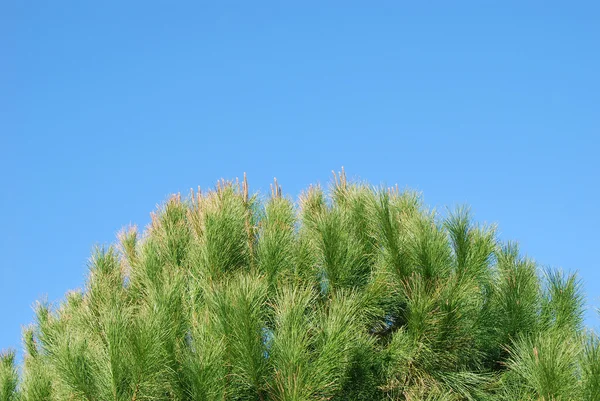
(354, 293)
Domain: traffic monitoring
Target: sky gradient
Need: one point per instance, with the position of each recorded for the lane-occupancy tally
(106, 108)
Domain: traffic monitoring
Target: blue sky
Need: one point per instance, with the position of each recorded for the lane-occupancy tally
(106, 108)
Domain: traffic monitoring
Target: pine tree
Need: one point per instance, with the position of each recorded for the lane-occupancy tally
(358, 293)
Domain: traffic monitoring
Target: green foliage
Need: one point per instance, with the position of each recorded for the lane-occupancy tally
(8, 376)
(356, 293)
(590, 365)
(546, 364)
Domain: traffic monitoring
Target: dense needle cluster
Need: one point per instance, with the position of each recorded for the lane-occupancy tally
(358, 293)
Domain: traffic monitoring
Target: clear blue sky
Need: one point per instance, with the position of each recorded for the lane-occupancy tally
(106, 108)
